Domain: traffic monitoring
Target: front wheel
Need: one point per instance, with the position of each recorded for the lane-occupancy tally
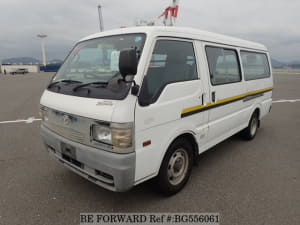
(250, 132)
(176, 167)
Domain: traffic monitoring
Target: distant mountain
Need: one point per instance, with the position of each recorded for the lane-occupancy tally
(24, 60)
(276, 63)
(295, 63)
(56, 61)
(29, 60)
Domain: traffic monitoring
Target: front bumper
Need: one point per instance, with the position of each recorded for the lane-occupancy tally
(112, 171)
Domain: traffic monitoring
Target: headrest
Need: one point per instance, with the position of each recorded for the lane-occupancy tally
(176, 58)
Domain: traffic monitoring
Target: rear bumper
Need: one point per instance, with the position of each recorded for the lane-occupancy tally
(112, 171)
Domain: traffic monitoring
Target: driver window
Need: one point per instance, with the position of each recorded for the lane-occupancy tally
(171, 61)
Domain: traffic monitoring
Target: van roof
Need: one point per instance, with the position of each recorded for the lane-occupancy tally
(182, 32)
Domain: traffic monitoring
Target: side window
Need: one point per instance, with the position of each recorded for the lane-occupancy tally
(171, 61)
(223, 65)
(255, 65)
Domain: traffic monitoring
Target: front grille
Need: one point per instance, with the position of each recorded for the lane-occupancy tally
(67, 132)
(69, 126)
(72, 127)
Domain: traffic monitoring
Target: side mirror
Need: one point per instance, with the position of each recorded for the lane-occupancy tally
(128, 62)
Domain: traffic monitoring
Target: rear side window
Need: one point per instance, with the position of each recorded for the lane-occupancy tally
(223, 65)
(255, 65)
(171, 61)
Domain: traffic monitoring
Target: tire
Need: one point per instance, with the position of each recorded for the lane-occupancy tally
(250, 132)
(176, 167)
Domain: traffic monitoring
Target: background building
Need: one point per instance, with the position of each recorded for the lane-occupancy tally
(12, 67)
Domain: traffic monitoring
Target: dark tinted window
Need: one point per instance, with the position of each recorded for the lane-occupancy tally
(255, 65)
(223, 65)
(172, 61)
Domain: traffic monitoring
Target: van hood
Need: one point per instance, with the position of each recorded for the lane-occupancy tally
(98, 109)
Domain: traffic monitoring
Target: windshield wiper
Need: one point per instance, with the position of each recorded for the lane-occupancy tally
(63, 81)
(88, 84)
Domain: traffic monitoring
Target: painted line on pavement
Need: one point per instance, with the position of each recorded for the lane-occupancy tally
(29, 120)
(289, 101)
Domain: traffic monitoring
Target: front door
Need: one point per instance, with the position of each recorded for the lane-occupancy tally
(171, 85)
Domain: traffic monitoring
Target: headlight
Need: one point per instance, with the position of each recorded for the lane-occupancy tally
(43, 113)
(102, 133)
(117, 135)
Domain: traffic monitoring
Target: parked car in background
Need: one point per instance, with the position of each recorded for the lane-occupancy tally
(19, 71)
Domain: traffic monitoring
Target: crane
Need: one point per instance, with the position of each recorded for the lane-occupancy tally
(170, 14)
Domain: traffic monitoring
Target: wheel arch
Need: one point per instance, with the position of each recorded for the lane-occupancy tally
(256, 108)
(187, 134)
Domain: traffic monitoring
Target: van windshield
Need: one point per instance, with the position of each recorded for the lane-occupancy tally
(97, 60)
(93, 64)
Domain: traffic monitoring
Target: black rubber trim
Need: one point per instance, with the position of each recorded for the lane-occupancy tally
(250, 97)
(215, 42)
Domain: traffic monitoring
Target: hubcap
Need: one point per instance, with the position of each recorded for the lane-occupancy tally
(178, 166)
(253, 126)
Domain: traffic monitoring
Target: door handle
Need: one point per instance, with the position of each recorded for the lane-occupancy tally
(203, 97)
(213, 96)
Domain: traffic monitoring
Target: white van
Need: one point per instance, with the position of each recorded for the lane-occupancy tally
(136, 103)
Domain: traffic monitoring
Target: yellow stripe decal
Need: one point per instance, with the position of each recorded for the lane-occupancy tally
(223, 101)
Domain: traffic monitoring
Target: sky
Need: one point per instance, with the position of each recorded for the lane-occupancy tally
(274, 23)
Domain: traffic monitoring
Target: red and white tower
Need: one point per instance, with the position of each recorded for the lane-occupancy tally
(170, 14)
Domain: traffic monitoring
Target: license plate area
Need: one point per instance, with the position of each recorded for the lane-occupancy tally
(68, 153)
(68, 150)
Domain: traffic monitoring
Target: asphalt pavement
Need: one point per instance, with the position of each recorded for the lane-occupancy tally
(248, 183)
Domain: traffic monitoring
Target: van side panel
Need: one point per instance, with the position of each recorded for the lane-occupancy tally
(226, 115)
(235, 103)
(161, 123)
(216, 120)
(262, 100)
